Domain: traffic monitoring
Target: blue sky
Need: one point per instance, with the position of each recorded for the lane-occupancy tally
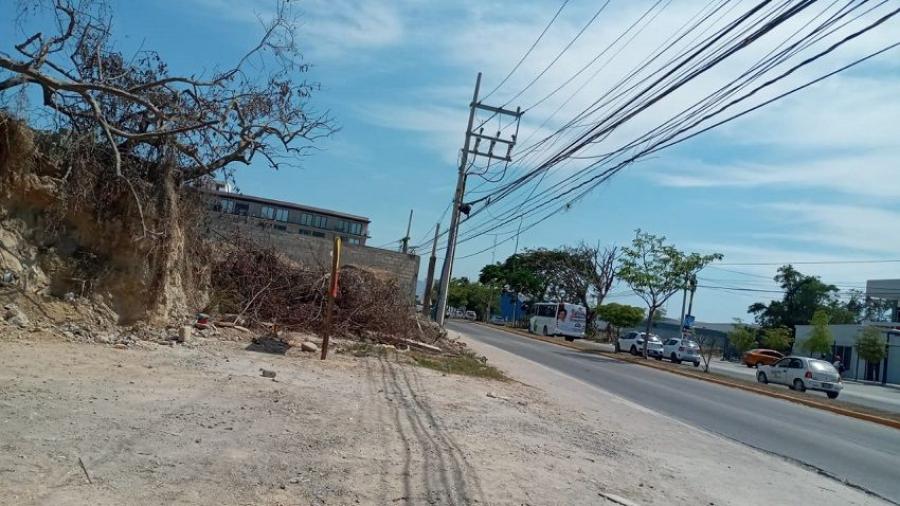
(811, 178)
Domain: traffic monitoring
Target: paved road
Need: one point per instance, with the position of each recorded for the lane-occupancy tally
(879, 397)
(861, 453)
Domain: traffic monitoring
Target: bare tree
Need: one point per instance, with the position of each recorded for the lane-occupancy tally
(189, 126)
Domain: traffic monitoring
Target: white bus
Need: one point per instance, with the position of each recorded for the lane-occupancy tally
(558, 319)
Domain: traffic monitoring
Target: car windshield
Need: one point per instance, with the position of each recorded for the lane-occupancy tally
(819, 365)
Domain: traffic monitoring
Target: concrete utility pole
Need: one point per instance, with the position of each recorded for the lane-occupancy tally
(692, 283)
(516, 252)
(429, 281)
(460, 192)
(493, 256)
(405, 240)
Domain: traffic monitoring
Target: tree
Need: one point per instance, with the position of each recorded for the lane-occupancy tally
(620, 316)
(870, 345)
(820, 339)
(159, 128)
(742, 338)
(578, 275)
(708, 345)
(803, 296)
(656, 271)
(472, 296)
(776, 338)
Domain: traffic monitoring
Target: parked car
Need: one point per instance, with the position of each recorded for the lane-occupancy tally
(634, 343)
(680, 350)
(757, 357)
(470, 315)
(801, 374)
(498, 320)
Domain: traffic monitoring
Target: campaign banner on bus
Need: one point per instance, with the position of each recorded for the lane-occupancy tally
(570, 319)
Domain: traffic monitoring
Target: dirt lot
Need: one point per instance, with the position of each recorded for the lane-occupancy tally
(164, 425)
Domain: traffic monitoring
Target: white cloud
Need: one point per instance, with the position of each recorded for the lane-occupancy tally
(872, 173)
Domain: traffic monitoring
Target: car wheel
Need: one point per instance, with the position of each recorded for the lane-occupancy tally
(545, 331)
(832, 395)
(617, 349)
(570, 339)
(674, 358)
(761, 378)
(798, 385)
(658, 357)
(748, 364)
(633, 350)
(696, 364)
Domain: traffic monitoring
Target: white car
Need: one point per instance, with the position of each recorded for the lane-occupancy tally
(633, 342)
(801, 374)
(470, 315)
(680, 350)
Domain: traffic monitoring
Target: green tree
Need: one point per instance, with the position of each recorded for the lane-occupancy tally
(742, 338)
(776, 338)
(655, 271)
(820, 339)
(620, 316)
(803, 296)
(475, 296)
(870, 345)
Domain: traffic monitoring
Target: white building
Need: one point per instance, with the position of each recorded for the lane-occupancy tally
(888, 370)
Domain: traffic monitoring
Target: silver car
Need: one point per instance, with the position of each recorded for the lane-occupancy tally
(801, 374)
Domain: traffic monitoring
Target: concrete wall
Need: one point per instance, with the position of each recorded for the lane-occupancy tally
(845, 336)
(316, 252)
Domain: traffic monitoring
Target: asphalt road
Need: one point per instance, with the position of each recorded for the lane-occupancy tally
(859, 453)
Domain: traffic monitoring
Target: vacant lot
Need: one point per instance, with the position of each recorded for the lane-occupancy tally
(163, 425)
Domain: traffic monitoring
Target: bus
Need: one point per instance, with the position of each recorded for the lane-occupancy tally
(558, 319)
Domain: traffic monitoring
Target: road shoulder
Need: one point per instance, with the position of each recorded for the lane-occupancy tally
(674, 456)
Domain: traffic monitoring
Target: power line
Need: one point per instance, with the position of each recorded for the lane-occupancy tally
(530, 49)
(813, 262)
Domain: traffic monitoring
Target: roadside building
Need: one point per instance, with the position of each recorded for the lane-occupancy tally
(292, 218)
(845, 337)
(305, 233)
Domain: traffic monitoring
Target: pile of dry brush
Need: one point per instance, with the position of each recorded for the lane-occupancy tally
(262, 286)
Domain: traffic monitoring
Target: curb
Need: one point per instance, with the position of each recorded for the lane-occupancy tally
(838, 410)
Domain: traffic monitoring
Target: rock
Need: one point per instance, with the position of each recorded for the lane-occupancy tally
(184, 334)
(295, 481)
(266, 373)
(69, 297)
(14, 316)
(309, 346)
(120, 346)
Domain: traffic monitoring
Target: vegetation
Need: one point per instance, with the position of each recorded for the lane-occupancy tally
(742, 338)
(804, 295)
(620, 316)
(776, 338)
(870, 345)
(579, 275)
(656, 271)
(466, 363)
(475, 296)
(820, 339)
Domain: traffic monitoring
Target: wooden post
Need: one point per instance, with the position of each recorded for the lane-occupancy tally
(332, 292)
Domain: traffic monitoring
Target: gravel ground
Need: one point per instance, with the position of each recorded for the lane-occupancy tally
(201, 426)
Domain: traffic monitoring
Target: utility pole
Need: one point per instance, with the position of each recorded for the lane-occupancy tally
(491, 299)
(684, 292)
(426, 298)
(692, 284)
(516, 252)
(458, 205)
(405, 240)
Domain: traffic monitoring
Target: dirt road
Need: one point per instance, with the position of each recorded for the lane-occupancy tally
(201, 426)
